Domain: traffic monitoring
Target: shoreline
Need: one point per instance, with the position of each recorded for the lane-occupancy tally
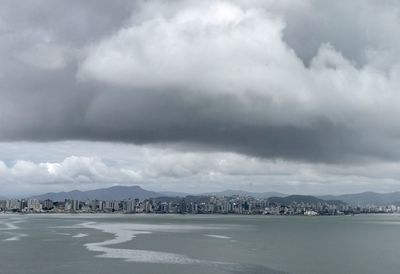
(188, 214)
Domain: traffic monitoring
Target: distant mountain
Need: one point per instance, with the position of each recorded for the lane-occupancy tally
(367, 198)
(174, 194)
(301, 199)
(187, 199)
(295, 198)
(112, 193)
(231, 192)
(126, 192)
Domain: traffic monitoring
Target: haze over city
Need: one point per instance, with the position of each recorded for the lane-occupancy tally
(300, 97)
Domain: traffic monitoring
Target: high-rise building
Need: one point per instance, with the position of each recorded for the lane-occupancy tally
(34, 205)
(75, 205)
(48, 204)
(131, 206)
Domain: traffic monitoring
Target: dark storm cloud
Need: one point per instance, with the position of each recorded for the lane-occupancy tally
(212, 76)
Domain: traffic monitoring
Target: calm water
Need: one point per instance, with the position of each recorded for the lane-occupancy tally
(198, 244)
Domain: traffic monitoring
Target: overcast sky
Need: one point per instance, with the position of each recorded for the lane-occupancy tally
(294, 96)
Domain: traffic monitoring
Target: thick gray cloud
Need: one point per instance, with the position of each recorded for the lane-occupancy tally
(311, 81)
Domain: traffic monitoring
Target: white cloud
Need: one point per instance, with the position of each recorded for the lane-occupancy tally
(72, 170)
(160, 169)
(200, 46)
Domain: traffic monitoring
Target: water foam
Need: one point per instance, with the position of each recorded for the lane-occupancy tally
(218, 236)
(126, 232)
(15, 237)
(80, 235)
(8, 226)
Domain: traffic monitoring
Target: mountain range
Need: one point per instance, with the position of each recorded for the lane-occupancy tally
(366, 198)
(126, 192)
(260, 195)
(301, 199)
(112, 193)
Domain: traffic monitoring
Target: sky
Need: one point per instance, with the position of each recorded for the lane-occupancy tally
(296, 96)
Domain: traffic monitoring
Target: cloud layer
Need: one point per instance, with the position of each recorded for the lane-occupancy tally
(274, 80)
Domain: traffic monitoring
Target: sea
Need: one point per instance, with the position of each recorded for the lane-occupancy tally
(134, 243)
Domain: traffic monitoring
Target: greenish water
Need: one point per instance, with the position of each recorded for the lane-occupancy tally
(198, 244)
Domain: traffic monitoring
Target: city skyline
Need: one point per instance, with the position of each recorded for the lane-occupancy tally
(200, 96)
(205, 204)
